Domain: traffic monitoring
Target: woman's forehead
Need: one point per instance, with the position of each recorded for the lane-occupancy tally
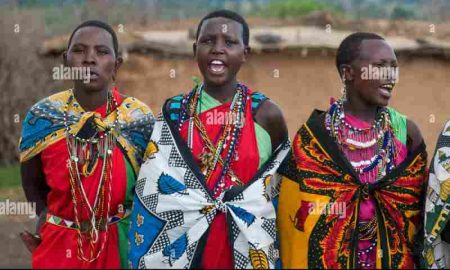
(223, 25)
(93, 35)
(374, 49)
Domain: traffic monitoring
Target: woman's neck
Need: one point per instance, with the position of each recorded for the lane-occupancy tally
(223, 93)
(361, 110)
(90, 100)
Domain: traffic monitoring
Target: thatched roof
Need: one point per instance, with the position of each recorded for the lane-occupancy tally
(265, 39)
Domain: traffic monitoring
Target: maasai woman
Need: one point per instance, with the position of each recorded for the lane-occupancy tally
(81, 150)
(437, 206)
(351, 190)
(205, 198)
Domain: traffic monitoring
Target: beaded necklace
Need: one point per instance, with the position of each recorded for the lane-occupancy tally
(380, 135)
(354, 139)
(212, 153)
(85, 152)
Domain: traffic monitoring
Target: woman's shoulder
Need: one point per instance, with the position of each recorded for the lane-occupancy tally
(414, 136)
(172, 106)
(175, 99)
(174, 102)
(446, 129)
(132, 103)
(136, 112)
(406, 129)
(53, 101)
(257, 99)
(269, 115)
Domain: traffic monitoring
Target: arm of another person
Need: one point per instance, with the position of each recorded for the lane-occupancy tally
(413, 140)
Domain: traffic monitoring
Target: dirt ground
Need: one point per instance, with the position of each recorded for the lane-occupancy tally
(13, 252)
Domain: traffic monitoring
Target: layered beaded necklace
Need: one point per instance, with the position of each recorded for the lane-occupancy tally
(85, 152)
(378, 137)
(212, 152)
(380, 134)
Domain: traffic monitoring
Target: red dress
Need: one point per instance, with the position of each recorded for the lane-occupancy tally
(58, 248)
(218, 252)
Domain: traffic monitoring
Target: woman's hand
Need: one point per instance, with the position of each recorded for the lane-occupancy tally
(31, 241)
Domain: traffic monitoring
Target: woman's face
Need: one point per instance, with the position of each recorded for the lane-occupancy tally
(374, 73)
(92, 47)
(220, 50)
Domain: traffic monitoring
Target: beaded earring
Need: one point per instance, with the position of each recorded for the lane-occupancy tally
(344, 89)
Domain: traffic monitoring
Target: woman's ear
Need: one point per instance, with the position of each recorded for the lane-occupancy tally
(119, 62)
(64, 56)
(194, 48)
(247, 51)
(347, 72)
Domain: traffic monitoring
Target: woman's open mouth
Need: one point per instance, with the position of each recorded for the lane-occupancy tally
(93, 75)
(386, 90)
(216, 67)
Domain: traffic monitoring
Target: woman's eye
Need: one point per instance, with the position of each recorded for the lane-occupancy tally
(230, 42)
(102, 52)
(77, 50)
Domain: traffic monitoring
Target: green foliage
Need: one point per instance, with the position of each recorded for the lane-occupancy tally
(403, 12)
(62, 15)
(386, 9)
(10, 176)
(293, 8)
(371, 10)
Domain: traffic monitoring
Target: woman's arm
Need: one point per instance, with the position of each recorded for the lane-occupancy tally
(36, 190)
(270, 117)
(414, 136)
(34, 184)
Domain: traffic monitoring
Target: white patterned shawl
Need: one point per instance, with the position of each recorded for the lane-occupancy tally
(173, 209)
(437, 206)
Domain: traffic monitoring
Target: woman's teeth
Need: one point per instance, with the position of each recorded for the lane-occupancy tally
(386, 90)
(387, 86)
(217, 66)
(216, 62)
